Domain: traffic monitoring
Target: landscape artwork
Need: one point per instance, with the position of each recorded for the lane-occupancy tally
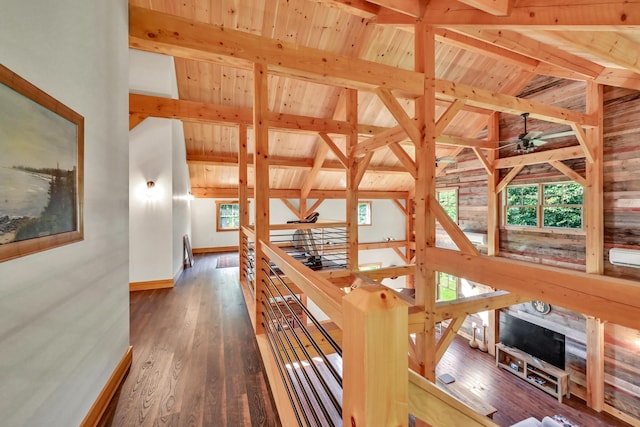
(40, 169)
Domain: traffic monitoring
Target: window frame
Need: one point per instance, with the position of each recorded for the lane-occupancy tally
(540, 208)
(370, 204)
(456, 197)
(439, 275)
(219, 204)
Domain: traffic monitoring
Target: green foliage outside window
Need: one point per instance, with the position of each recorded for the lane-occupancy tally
(364, 213)
(559, 204)
(229, 216)
(447, 287)
(448, 199)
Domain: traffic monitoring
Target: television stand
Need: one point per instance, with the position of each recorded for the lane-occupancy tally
(546, 377)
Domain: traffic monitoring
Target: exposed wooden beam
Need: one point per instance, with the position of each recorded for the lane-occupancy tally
(452, 229)
(447, 336)
(361, 8)
(314, 206)
(588, 15)
(471, 305)
(363, 163)
(335, 149)
(279, 193)
(582, 139)
(404, 158)
(398, 113)
(537, 157)
(400, 206)
(176, 36)
(448, 115)
(321, 154)
(607, 298)
(156, 106)
(508, 178)
(460, 141)
(383, 139)
(383, 273)
(532, 48)
(619, 78)
(485, 163)
(567, 171)
(413, 8)
(297, 212)
(511, 104)
(494, 7)
(135, 119)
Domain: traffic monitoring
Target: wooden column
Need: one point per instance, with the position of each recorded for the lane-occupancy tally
(352, 180)
(261, 166)
(594, 224)
(375, 363)
(243, 199)
(410, 238)
(425, 282)
(493, 223)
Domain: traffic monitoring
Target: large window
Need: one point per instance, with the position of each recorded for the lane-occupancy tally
(228, 215)
(557, 205)
(447, 287)
(364, 213)
(448, 199)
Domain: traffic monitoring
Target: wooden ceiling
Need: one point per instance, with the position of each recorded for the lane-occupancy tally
(500, 46)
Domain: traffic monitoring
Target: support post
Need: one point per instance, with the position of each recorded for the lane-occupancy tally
(352, 180)
(493, 223)
(261, 162)
(243, 200)
(375, 362)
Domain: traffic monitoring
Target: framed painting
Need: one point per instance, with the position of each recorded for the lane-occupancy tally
(41, 169)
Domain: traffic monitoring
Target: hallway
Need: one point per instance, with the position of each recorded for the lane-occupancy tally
(195, 359)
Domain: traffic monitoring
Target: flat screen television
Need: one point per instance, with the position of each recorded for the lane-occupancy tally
(539, 342)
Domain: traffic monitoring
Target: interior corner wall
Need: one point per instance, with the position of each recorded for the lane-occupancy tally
(181, 189)
(151, 218)
(64, 312)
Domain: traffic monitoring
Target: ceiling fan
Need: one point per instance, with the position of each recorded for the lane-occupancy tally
(528, 141)
(445, 159)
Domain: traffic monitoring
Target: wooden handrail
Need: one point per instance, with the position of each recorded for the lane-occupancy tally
(306, 225)
(437, 408)
(323, 293)
(249, 232)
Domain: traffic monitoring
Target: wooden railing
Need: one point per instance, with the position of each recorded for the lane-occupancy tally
(378, 386)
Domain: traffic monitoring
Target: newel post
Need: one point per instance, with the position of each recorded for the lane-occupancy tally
(374, 355)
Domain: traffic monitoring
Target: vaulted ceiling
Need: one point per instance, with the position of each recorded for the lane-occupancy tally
(497, 45)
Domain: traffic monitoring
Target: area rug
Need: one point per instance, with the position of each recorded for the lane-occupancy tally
(564, 421)
(227, 261)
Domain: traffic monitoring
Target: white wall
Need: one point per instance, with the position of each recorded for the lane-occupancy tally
(181, 192)
(150, 219)
(158, 153)
(64, 313)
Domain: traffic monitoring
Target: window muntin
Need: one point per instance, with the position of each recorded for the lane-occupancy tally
(228, 213)
(448, 199)
(447, 287)
(364, 213)
(555, 205)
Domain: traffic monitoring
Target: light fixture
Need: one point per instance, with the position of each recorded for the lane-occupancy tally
(190, 196)
(152, 190)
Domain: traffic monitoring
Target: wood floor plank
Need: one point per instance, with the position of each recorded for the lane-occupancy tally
(196, 361)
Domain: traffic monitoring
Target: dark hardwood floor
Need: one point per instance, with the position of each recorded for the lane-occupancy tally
(195, 358)
(514, 398)
(196, 363)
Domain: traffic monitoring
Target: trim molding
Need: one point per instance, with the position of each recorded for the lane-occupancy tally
(621, 415)
(215, 250)
(152, 284)
(98, 408)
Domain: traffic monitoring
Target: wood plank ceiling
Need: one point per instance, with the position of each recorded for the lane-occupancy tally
(501, 54)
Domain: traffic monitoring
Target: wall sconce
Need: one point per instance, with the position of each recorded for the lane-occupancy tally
(190, 196)
(152, 190)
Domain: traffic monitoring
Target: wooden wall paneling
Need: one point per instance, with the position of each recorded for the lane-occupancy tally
(262, 182)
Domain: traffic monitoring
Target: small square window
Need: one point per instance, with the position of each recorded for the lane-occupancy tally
(228, 213)
(364, 213)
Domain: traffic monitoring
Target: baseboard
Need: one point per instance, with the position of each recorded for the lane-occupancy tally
(152, 284)
(215, 250)
(98, 408)
(621, 415)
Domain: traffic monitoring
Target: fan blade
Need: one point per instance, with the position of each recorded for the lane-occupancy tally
(506, 145)
(538, 142)
(532, 135)
(557, 135)
(445, 159)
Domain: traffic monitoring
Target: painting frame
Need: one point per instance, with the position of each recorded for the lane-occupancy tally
(66, 182)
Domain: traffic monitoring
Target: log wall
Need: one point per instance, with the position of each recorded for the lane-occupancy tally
(567, 250)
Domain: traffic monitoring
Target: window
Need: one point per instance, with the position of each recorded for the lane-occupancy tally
(228, 215)
(557, 205)
(364, 213)
(448, 199)
(447, 287)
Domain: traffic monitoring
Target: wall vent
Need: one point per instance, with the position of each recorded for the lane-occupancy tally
(625, 257)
